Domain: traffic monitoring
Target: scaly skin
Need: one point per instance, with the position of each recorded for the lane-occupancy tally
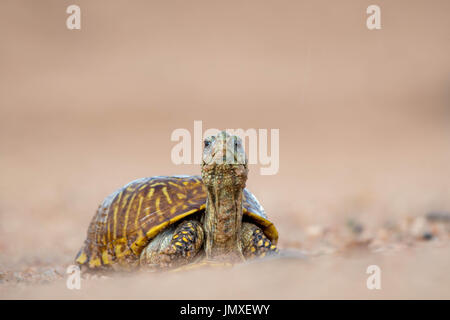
(175, 248)
(255, 243)
(224, 173)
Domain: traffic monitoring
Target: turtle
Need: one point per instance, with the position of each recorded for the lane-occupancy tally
(164, 222)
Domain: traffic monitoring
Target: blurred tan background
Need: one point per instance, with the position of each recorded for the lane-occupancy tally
(364, 116)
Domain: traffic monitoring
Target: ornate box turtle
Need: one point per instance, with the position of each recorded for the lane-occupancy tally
(163, 222)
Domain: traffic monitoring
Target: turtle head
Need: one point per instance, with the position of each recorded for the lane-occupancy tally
(224, 161)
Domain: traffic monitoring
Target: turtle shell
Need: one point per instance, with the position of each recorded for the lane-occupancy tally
(133, 215)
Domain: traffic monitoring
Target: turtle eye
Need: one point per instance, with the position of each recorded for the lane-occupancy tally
(207, 143)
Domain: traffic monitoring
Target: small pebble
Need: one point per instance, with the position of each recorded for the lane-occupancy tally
(427, 236)
(355, 226)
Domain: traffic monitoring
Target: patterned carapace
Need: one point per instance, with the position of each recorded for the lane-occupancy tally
(130, 217)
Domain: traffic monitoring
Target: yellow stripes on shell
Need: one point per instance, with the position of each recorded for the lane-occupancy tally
(138, 245)
(136, 220)
(95, 262)
(150, 193)
(127, 213)
(137, 197)
(116, 209)
(101, 232)
(124, 201)
(158, 209)
(108, 232)
(157, 184)
(119, 253)
(173, 210)
(82, 258)
(158, 200)
(139, 203)
(166, 194)
(118, 250)
(152, 232)
(175, 184)
(105, 257)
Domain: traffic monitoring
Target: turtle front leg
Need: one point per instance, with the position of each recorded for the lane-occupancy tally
(255, 243)
(174, 247)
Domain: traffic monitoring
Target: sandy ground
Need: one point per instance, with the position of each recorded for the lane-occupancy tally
(364, 138)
